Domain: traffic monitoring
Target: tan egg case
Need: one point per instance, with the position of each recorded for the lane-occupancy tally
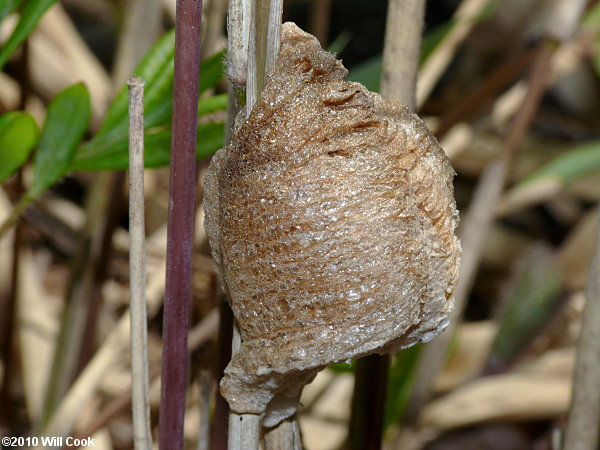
(331, 217)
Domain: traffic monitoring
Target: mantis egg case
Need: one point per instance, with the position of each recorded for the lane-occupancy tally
(331, 218)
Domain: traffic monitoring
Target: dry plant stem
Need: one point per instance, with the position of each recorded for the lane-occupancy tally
(320, 15)
(244, 429)
(141, 28)
(583, 426)
(238, 35)
(398, 83)
(474, 229)
(263, 49)
(237, 51)
(402, 43)
(180, 224)
(142, 437)
(285, 436)
(205, 387)
(263, 46)
(274, 33)
(259, 36)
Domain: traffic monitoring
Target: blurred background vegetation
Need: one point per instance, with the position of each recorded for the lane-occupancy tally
(507, 376)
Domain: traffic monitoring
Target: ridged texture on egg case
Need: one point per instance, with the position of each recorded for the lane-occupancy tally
(331, 217)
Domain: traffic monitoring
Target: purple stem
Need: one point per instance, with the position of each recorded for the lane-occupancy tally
(180, 223)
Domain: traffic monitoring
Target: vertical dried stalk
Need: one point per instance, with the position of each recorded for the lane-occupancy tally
(263, 46)
(285, 436)
(398, 82)
(402, 43)
(142, 438)
(180, 223)
(244, 429)
(262, 21)
(320, 15)
(238, 35)
(205, 381)
(583, 427)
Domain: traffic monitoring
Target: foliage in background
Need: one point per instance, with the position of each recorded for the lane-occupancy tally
(60, 149)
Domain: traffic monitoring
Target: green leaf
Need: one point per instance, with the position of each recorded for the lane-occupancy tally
(212, 104)
(211, 71)
(569, 166)
(8, 7)
(210, 139)
(591, 25)
(340, 42)
(115, 156)
(30, 16)
(157, 144)
(156, 69)
(433, 38)
(66, 122)
(343, 367)
(18, 135)
(368, 73)
(531, 300)
(401, 377)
